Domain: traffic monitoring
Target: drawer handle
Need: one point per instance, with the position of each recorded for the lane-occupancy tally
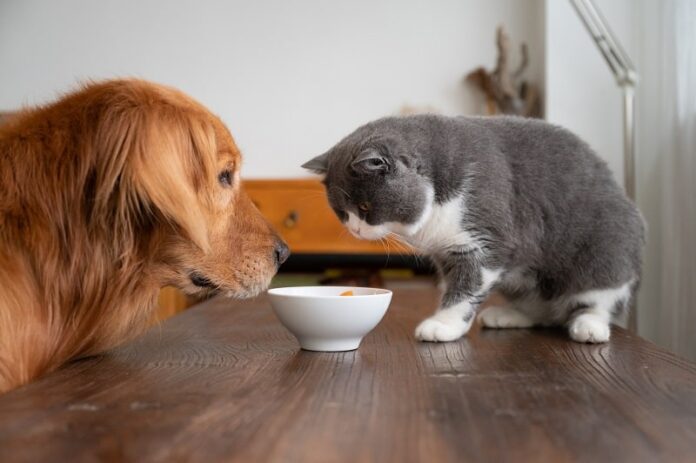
(291, 219)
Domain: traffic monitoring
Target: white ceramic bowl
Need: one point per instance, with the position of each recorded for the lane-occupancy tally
(322, 320)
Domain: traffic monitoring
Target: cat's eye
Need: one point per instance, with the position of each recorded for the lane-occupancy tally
(364, 207)
(225, 178)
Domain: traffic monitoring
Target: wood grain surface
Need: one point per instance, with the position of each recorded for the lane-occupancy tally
(225, 382)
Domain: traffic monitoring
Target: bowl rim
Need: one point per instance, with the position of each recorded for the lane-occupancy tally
(382, 292)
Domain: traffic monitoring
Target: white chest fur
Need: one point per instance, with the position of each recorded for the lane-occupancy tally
(444, 228)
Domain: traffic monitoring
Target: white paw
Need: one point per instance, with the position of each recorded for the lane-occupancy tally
(504, 317)
(444, 326)
(589, 328)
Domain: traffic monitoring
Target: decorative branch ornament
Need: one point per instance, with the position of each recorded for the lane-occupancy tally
(505, 90)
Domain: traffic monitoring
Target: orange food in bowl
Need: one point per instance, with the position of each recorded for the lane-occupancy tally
(347, 293)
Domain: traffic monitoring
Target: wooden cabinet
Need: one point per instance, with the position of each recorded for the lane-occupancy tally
(170, 302)
(299, 211)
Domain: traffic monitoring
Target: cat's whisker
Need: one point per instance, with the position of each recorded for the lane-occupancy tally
(406, 248)
(385, 245)
(397, 246)
(344, 192)
(396, 239)
(389, 237)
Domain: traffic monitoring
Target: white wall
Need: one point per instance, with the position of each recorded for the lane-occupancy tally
(648, 170)
(666, 174)
(581, 92)
(289, 77)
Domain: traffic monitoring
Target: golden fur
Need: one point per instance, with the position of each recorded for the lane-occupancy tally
(105, 196)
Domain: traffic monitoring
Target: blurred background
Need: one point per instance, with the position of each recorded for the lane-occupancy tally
(291, 78)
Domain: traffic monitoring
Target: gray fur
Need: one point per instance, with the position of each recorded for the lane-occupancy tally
(537, 197)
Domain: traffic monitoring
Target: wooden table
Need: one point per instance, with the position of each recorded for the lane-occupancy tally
(224, 381)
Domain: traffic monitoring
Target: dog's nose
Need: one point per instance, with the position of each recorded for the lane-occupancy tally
(282, 252)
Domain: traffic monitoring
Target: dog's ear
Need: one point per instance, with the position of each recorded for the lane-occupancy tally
(175, 171)
(158, 161)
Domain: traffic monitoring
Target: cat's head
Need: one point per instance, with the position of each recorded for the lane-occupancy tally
(373, 183)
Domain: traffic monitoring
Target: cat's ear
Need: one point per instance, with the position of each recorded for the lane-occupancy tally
(371, 162)
(318, 165)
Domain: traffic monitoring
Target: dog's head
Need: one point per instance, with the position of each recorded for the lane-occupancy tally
(166, 180)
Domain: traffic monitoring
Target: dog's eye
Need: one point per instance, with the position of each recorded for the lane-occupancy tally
(225, 178)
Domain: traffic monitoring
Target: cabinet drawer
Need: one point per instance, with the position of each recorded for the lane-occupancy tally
(299, 211)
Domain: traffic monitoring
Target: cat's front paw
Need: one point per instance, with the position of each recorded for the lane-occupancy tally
(442, 327)
(589, 328)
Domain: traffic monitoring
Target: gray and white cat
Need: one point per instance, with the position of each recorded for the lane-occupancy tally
(505, 203)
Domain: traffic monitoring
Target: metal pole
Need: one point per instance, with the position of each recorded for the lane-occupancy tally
(626, 76)
(629, 141)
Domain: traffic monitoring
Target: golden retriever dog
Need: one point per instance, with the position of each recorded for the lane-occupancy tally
(107, 195)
